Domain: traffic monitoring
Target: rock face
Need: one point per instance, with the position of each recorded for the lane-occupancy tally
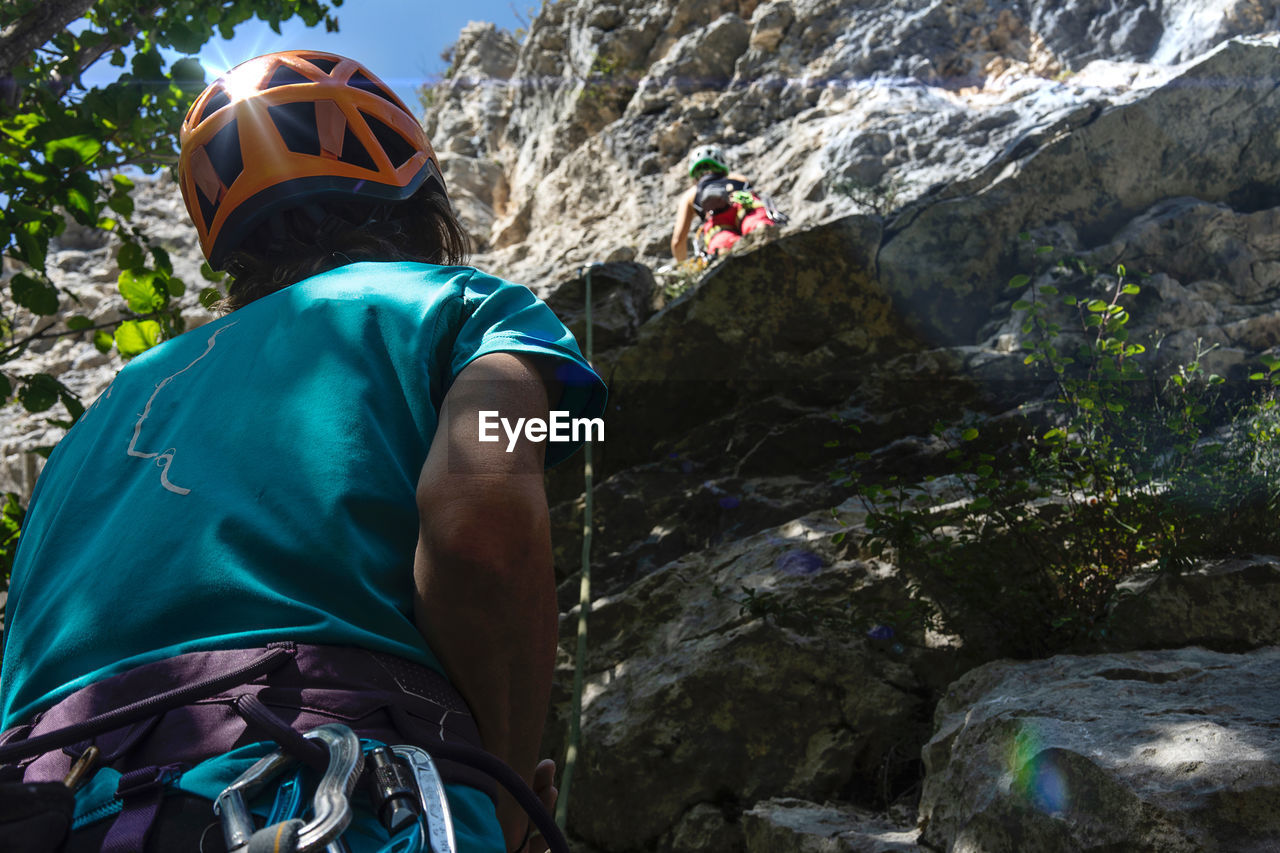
(808, 828)
(1151, 752)
(1226, 605)
(695, 697)
(830, 106)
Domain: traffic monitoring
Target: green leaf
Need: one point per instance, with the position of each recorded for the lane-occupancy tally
(139, 290)
(33, 243)
(130, 256)
(1048, 290)
(1019, 280)
(1043, 250)
(79, 323)
(175, 286)
(6, 387)
(134, 337)
(969, 435)
(38, 297)
(121, 204)
(81, 207)
(162, 260)
(209, 297)
(1130, 289)
(74, 407)
(122, 182)
(103, 341)
(208, 274)
(38, 392)
(1096, 305)
(186, 39)
(72, 151)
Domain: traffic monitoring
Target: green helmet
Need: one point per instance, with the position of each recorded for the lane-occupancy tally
(707, 155)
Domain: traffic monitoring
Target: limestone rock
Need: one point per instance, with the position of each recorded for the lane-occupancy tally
(1094, 179)
(796, 826)
(753, 327)
(1152, 752)
(694, 690)
(1228, 605)
(822, 102)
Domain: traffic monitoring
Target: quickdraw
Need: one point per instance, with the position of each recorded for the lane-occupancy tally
(406, 788)
(331, 803)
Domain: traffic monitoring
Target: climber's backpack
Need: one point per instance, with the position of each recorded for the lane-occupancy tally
(714, 194)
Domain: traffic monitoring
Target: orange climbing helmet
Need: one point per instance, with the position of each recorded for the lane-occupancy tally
(292, 128)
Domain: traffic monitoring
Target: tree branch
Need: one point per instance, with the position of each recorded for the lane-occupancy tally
(60, 84)
(45, 20)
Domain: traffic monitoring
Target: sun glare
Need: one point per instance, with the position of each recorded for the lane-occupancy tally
(243, 80)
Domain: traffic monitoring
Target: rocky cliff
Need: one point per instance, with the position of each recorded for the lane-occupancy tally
(735, 700)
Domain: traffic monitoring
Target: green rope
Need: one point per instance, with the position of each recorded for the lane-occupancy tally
(584, 610)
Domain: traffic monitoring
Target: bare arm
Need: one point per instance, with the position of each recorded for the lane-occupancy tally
(485, 599)
(680, 234)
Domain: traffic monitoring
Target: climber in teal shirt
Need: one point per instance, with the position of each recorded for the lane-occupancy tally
(308, 469)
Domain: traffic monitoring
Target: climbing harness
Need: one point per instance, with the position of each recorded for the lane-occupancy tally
(405, 782)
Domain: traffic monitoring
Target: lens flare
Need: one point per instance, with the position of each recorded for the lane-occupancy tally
(1039, 776)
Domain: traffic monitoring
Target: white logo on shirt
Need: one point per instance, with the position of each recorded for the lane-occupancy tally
(165, 459)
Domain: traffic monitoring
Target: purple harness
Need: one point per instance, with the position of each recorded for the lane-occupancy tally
(225, 699)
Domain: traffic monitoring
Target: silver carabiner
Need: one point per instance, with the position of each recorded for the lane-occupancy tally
(435, 804)
(331, 803)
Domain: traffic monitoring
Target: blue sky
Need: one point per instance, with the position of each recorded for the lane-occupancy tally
(399, 40)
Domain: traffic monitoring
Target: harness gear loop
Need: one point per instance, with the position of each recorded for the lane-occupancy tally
(331, 802)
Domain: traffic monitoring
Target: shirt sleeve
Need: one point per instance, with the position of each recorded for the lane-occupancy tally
(503, 317)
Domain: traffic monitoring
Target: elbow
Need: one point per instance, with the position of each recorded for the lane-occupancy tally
(500, 534)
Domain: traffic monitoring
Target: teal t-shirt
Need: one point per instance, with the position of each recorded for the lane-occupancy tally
(254, 479)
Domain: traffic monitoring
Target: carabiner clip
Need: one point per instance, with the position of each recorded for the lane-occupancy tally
(435, 804)
(331, 803)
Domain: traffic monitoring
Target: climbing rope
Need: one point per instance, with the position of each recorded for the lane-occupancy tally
(584, 604)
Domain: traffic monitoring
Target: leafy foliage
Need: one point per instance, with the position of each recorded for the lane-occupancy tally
(1126, 469)
(64, 149)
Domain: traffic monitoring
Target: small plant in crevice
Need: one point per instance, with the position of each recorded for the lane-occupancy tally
(881, 198)
(1126, 468)
(683, 277)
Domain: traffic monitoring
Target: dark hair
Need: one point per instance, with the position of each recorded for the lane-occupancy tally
(301, 242)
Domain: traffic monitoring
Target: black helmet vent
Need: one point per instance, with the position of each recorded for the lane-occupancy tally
(399, 150)
(207, 208)
(296, 124)
(359, 81)
(354, 152)
(325, 65)
(224, 152)
(217, 101)
(285, 76)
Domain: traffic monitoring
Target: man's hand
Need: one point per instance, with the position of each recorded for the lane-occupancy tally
(544, 779)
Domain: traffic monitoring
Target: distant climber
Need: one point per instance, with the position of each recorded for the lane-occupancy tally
(726, 203)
